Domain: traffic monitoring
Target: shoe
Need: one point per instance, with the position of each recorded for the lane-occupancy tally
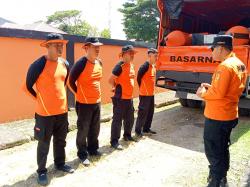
(138, 136)
(66, 168)
(42, 179)
(95, 153)
(129, 138)
(149, 131)
(117, 146)
(85, 162)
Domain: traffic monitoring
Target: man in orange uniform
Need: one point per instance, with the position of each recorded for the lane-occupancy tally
(221, 112)
(146, 82)
(122, 81)
(49, 74)
(87, 73)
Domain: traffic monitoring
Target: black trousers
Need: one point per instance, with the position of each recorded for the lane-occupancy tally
(217, 142)
(88, 125)
(145, 113)
(123, 111)
(45, 127)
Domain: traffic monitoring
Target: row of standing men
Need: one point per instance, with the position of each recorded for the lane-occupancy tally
(50, 75)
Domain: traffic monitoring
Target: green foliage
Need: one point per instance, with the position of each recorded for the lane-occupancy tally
(105, 33)
(141, 20)
(70, 21)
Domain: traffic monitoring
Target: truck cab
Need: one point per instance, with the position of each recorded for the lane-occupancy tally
(186, 32)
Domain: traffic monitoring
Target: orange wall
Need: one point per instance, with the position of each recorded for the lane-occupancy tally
(16, 54)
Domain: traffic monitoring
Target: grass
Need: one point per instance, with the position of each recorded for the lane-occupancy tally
(240, 154)
(240, 157)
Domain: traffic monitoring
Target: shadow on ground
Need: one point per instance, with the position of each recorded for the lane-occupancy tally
(31, 181)
(183, 127)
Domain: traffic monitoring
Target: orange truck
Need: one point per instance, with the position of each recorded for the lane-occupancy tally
(186, 30)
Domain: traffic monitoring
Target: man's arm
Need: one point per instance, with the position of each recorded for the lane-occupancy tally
(75, 72)
(220, 84)
(33, 73)
(112, 79)
(116, 72)
(66, 63)
(141, 72)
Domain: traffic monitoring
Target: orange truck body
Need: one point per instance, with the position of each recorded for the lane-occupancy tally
(183, 68)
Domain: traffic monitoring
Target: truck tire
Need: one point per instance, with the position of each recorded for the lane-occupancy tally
(183, 102)
(194, 103)
(244, 112)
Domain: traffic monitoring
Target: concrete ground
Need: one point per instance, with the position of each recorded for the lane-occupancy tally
(174, 157)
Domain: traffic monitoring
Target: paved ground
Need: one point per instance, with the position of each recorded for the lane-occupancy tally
(173, 157)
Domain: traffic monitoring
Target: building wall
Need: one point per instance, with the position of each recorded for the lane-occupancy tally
(17, 53)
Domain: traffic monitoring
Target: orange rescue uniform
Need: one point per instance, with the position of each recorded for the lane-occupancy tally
(124, 83)
(228, 83)
(51, 96)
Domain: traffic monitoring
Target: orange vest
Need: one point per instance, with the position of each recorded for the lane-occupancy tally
(51, 92)
(126, 80)
(147, 87)
(228, 83)
(88, 84)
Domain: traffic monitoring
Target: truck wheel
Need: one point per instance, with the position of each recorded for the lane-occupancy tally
(183, 102)
(194, 103)
(244, 112)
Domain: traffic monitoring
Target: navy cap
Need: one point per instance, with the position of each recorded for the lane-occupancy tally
(127, 48)
(223, 40)
(152, 50)
(92, 40)
(53, 38)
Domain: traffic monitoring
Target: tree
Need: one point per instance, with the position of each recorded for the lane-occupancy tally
(105, 33)
(141, 20)
(70, 21)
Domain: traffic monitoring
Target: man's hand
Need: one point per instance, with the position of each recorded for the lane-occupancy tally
(202, 89)
(206, 85)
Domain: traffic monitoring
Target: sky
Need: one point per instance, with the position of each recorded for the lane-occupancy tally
(95, 12)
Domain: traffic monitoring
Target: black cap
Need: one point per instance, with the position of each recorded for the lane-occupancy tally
(127, 48)
(223, 40)
(53, 37)
(152, 50)
(92, 40)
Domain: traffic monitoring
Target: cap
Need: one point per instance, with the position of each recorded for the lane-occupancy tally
(127, 48)
(152, 50)
(53, 38)
(223, 40)
(93, 41)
